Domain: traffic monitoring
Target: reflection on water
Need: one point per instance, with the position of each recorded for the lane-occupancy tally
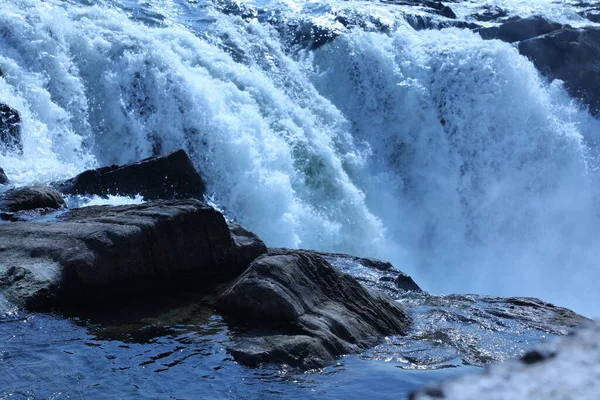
(175, 347)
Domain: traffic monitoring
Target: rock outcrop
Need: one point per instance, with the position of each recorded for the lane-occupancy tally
(10, 129)
(3, 178)
(168, 177)
(570, 55)
(107, 252)
(31, 198)
(295, 308)
(518, 29)
(565, 368)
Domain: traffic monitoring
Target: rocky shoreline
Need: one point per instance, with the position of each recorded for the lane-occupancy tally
(290, 307)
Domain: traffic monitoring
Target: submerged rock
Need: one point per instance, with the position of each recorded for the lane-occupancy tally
(570, 55)
(10, 129)
(565, 368)
(31, 198)
(3, 177)
(167, 177)
(295, 308)
(97, 254)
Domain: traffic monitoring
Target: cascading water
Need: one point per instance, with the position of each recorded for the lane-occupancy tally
(444, 153)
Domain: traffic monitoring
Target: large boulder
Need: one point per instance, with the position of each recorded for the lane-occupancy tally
(95, 254)
(10, 129)
(566, 368)
(302, 311)
(167, 177)
(518, 29)
(571, 55)
(31, 198)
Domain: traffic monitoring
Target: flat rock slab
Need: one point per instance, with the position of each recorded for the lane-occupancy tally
(167, 177)
(295, 308)
(97, 253)
(565, 368)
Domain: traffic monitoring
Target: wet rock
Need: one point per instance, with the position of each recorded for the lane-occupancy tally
(518, 29)
(296, 308)
(168, 177)
(381, 271)
(457, 330)
(94, 255)
(565, 368)
(31, 198)
(434, 7)
(490, 13)
(10, 129)
(3, 177)
(570, 55)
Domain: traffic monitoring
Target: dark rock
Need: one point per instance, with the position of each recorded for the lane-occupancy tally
(407, 283)
(431, 393)
(571, 55)
(435, 7)
(519, 29)
(384, 271)
(168, 177)
(593, 16)
(107, 253)
(302, 311)
(3, 177)
(10, 129)
(31, 198)
(490, 13)
(536, 356)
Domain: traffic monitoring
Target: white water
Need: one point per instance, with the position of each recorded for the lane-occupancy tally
(338, 149)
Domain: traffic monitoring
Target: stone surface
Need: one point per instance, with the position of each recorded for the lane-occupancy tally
(375, 270)
(518, 29)
(3, 177)
(107, 252)
(295, 308)
(168, 177)
(30, 198)
(571, 55)
(10, 129)
(565, 368)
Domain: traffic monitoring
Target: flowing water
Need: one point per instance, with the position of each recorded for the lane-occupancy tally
(448, 155)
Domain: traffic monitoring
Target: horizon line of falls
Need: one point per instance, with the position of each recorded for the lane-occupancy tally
(443, 153)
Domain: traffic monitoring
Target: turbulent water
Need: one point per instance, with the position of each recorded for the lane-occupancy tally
(331, 125)
(448, 155)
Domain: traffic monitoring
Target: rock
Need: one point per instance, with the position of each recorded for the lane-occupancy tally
(168, 177)
(31, 198)
(477, 330)
(10, 129)
(593, 16)
(381, 271)
(518, 29)
(565, 368)
(3, 177)
(434, 7)
(94, 255)
(303, 312)
(490, 13)
(570, 55)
